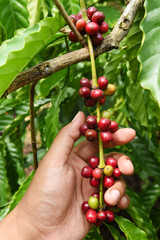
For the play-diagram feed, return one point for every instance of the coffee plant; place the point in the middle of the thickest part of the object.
(49, 52)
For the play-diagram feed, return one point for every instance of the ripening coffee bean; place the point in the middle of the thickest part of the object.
(93, 202)
(91, 11)
(108, 181)
(111, 161)
(102, 101)
(108, 170)
(117, 173)
(84, 92)
(102, 82)
(72, 37)
(103, 28)
(80, 24)
(91, 135)
(113, 126)
(104, 124)
(106, 137)
(91, 216)
(85, 206)
(84, 82)
(94, 182)
(86, 172)
(110, 216)
(98, 17)
(106, 114)
(97, 173)
(92, 28)
(89, 102)
(97, 94)
(93, 162)
(83, 129)
(101, 215)
(91, 121)
(97, 39)
(110, 90)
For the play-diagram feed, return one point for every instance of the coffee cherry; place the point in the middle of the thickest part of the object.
(94, 162)
(84, 82)
(97, 39)
(104, 124)
(110, 216)
(106, 114)
(97, 94)
(111, 161)
(93, 202)
(89, 102)
(110, 90)
(91, 121)
(91, 216)
(84, 92)
(74, 18)
(116, 173)
(102, 101)
(98, 223)
(98, 17)
(83, 129)
(101, 215)
(86, 172)
(91, 135)
(92, 28)
(80, 24)
(108, 181)
(95, 194)
(97, 173)
(79, 15)
(108, 170)
(94, 182)
(113, 127)
(102, 82)
(91, 11)
(85, 206)
(106, 137)
(103, 28)
(72, 37)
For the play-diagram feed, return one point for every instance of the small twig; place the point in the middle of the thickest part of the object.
(33, 135)
(69, 22)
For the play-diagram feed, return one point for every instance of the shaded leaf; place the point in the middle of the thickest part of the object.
(2, 34)
(94, 234)
(71, 6)
(115, 233)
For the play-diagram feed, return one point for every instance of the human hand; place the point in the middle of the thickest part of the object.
(51, 207)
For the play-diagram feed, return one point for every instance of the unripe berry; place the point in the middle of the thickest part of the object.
(92, 28)
(110, 216)
(108, 170)
(84, 82)
(111, 161)
(83, 129)
(106, 114)
(91, 121)
(72, 37)
(97, 173)
(110, 90)
(116, 173)
(86, 172)
(102, 82)
(113, 127)
(91, 11)
(102, 101)
(95, 194)
(94, 182)
(104, 124)
(98, 17)
(103, 28)
(94, 162)
(85, 206)
(101, 215)
(106, 137)
(97, 94)
(89, 102)
(91, 135)
(91, 216)
(93, 202)
(80, 24)
(108, 181)
(97, 39)
(84, 92)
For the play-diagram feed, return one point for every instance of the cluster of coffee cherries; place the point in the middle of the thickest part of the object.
(105, 126)
(94, 94)
(95, 214)
(95, 27)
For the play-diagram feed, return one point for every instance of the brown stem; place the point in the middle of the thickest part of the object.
(33, 136)
(69, 22)
(111, 41)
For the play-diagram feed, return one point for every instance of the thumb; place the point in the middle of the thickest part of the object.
(62, 146)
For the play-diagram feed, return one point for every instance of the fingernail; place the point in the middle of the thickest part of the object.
(124, 200)
(115, 196)
(76, 117)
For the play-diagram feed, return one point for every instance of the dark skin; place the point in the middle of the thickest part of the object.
(51, 207)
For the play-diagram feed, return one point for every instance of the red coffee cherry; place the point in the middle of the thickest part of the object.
(72, 37)
(101, 215)
(92, 28)
(91, 216)
(113, 127)
(104, 124)
(86, 172)
(97, 173)
(103, 28)
(84, 82)
(83, 129)
(84, 92)
(106, 137)
(116, 173)
(85, 206)
(97, 94)
(98, 223)
(91, 11)
(89, 102)
(108, 181)
(110, 216)
(94, 162)
(102, 101)
(91, 121)
(97, 39)
(94, 182)
(91, 135)
(98, 17)
(112, 162)
(80, 24)
(79, 15)
(102, 82)
(74, 18)
(95, 194)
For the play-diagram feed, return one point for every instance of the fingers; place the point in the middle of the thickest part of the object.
(123, 202)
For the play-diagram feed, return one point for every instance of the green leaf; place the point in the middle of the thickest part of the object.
(71, 6)
(139, 215)
(115, 233)
(22, 48)
(130, 230)
(94, 234)
(13, 15)
(155, 213)
(111, 14)
(36, 8)
(149, 54)
(2, 34)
